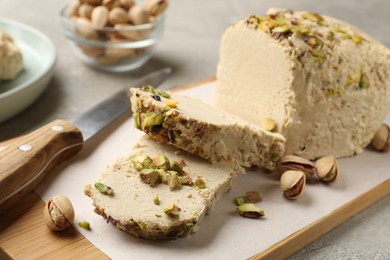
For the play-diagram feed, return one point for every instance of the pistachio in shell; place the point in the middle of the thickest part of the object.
(58, 213)
(381, 140)
(292, 183)
(296, 163)
(327, 168)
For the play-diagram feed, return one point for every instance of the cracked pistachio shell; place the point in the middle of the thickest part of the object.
(381, 139)
(296, 163)
(155, 7)
(137, 15)
(58, 213)
(327, 168)
(292, 183)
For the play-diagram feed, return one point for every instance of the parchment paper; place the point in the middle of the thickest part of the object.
(223, 234)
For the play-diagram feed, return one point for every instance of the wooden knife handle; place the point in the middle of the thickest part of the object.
(27, 160)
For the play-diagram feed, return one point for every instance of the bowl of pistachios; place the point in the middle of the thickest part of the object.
(114, 35)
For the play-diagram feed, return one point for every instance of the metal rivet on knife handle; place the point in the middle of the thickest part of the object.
(25, 147)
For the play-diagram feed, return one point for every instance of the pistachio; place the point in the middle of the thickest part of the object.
(93, 2)
(292, 183)
(85, 10)
(150, 176)
(357, 39)
(137, 15)
(291, 162)
(141, 162)
(58, 213)
(177, 166)
(200, 184)
(240, 201)
(149, 89)
(171, 103)
(73, 8)
(173, 182)
(117, 15)
(314, 17)
(327, 168)
(127, 4)
(104, 188)
(84, 27)
(161, 162)
(253, 196)
(172, 210)
(128, 32)
(92, 51)
(99, 16)
(155, 7)
(118, 53)
(158, 215)
(156, 200)
(249, 210)
(381, 140)
(163, 94)
(110, 4)
(85, 225)
(269, 124)
(151, 119)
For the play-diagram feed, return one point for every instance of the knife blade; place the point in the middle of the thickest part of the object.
(25, 162)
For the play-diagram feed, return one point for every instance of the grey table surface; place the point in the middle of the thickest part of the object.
(190, 46)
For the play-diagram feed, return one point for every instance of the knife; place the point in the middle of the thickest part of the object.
(25, 162)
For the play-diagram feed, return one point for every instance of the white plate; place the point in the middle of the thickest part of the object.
(39, 56)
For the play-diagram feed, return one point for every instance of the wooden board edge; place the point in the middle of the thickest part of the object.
(303, 237)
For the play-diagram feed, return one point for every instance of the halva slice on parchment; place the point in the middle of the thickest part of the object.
(160, 192)
(11, 60)
(203, 130)
(325, 83)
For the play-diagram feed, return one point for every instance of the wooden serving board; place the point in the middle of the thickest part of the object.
(23, 234)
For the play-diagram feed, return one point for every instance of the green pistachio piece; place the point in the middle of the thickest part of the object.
(249, 210)
(346, 36)
(150, 119)
(141, 162)
(149, 89)
(150, 176)
(253, 196)
(240, 201)
(173, 182)
(269, 124)
(314, 17)
(161, 162)
(281, 29)
(200, 183)
(104, 188)
(186, 228)
(164, 175)
(319, 56)
(163, 94)
(158, 215)
(177, 166)
(357, 39)
(172, 210)
(362, 84)
(156, 200)
(185, 180)
(85, 225)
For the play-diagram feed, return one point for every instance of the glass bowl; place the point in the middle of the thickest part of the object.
(115, 49)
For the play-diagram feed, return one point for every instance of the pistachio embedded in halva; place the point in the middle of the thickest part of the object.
(292, 183)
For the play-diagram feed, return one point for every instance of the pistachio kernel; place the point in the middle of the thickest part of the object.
(381, 140)
(269, 124)
(158, 215)
(327, 169)
(161, 161)
(357, 39)
(85, 225)
(149, 89)
(240, 200)
(150, 119)
(177, 166)
(156, 200)
(314, 17)
(173, 182)
(171, 103)
(164, 94)
(141, 162)
(150, 176)
(104, 188)
(250, 210)
(253, 196)
(185, 180)
(200, 184)
(172, 210)
(292, 183)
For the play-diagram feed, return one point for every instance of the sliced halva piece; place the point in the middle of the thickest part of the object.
(207, 131)
(138, 208)
(325, 83)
